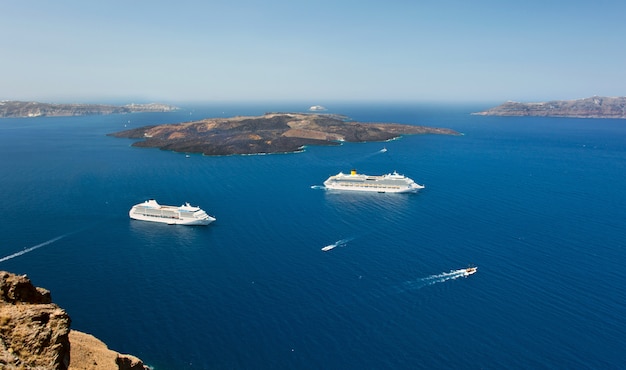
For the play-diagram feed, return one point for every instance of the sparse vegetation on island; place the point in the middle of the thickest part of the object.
(270, 133)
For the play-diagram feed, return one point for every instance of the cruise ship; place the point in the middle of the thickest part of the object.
(186, 214)
(389, 183)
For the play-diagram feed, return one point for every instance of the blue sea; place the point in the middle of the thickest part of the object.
(537, 204)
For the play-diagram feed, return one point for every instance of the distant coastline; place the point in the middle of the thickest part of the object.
(594, 107)
(21, 109)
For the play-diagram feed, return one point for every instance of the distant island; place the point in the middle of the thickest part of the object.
(18, 109)
(594, 107)
(270, 133)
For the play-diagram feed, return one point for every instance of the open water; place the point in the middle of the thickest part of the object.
(538, 204)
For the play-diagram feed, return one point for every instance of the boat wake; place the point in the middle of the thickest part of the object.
(30, 249)
(338, 243)
(434, 279)
(368, 156)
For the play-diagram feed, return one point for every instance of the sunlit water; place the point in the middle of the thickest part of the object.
(536, 203)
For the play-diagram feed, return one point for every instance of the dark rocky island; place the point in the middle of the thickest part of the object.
(10, 109)
(270, 133)
(594, 107)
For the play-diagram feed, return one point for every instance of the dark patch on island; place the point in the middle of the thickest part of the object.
(19, 109)
(594, 107)
(270, 133)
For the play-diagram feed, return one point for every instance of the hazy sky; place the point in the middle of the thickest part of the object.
(314, 51)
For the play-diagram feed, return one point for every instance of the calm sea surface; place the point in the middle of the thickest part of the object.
(538, 204)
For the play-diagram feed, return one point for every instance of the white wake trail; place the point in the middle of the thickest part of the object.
(30, 249)
(368, 156)
(432, 279)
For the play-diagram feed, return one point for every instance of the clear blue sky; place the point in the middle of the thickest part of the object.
(314, 51)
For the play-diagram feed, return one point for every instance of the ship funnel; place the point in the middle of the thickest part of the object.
(353, 172)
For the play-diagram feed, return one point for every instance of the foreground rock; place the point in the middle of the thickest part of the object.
(90, 353)
(35, 109)
(35, 333)
(270, 133)
(595, 107)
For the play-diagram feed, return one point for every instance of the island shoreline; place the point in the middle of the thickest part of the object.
(271, 133)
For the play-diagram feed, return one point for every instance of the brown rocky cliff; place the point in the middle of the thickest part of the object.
(90, 353)
(35, 333)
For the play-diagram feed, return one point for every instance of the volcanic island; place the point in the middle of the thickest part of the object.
(269, 133)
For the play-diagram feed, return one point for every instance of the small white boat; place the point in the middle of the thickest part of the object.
(186, 214)
(470, 270)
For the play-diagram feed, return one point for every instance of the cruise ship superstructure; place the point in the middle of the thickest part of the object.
(186, 214)
(389, 183)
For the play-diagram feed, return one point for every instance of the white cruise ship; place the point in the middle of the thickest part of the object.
(389, 183)
(186, 214)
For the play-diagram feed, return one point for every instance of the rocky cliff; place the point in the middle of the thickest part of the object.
(35, 334)
(594, 107)
(270, 133)
(35, 109)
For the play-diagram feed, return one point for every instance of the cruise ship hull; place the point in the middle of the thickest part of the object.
(389, 183)
(184, 215)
